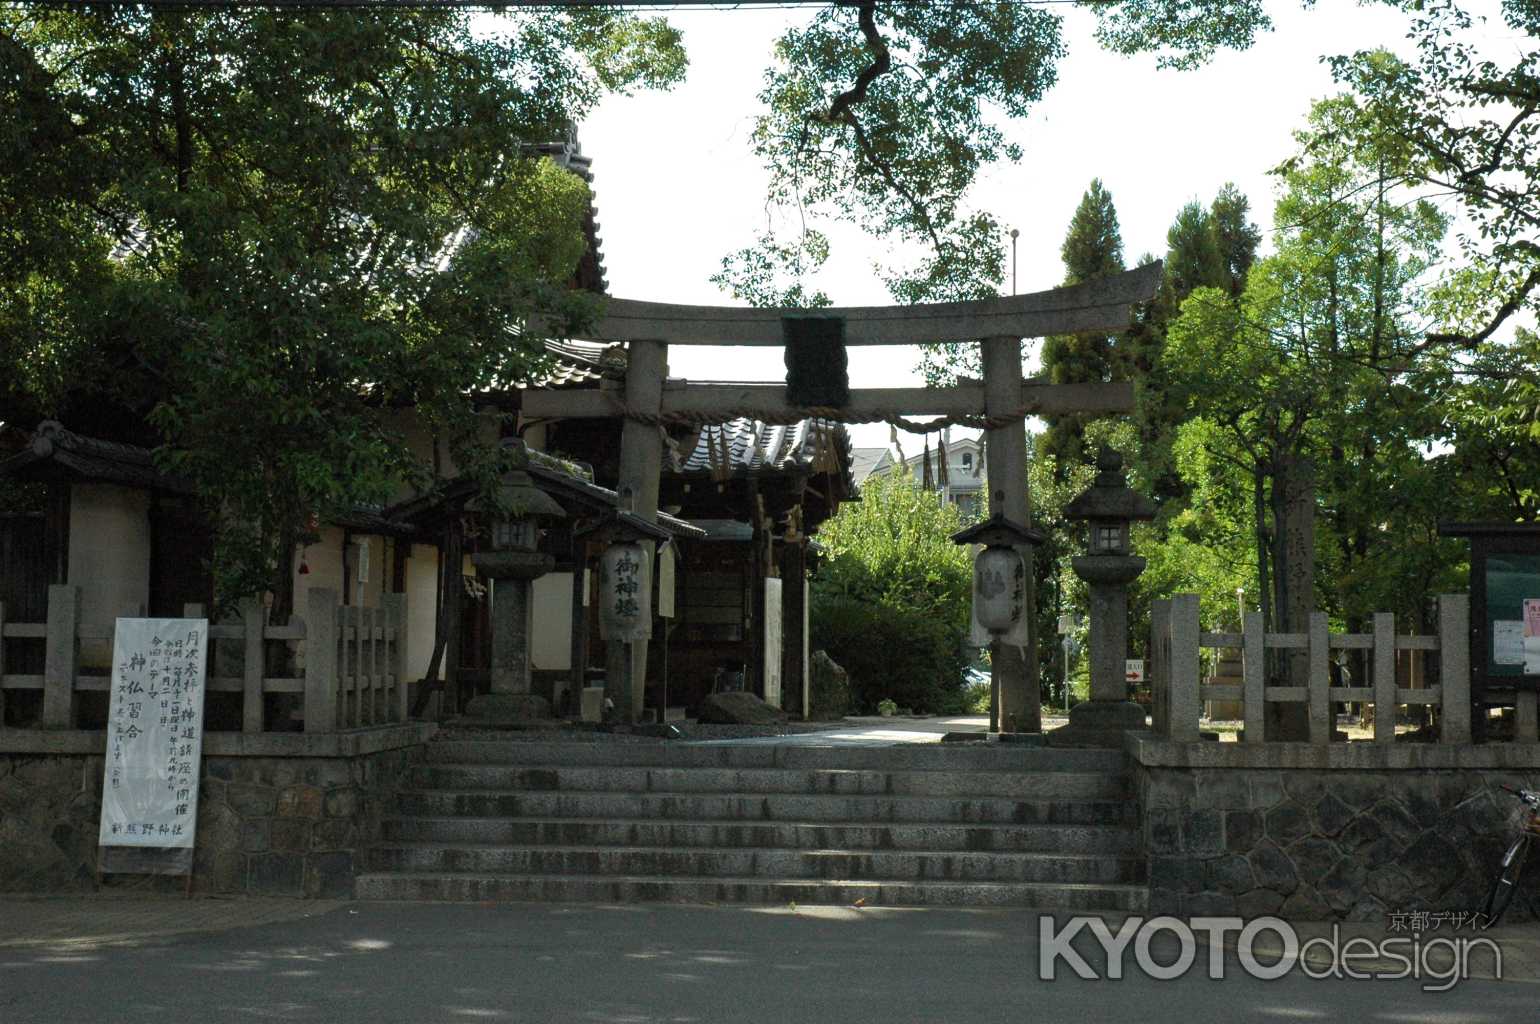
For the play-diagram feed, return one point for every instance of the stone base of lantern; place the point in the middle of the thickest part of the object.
(1098, 723)
(494, 709)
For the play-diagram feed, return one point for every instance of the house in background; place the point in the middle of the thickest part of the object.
(963, 483)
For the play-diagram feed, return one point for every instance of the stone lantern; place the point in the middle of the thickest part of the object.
(999, 572)
(625, 600)
(1108, 507)
(513, 562)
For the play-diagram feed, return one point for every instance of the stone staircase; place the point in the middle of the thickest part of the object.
(909, 824)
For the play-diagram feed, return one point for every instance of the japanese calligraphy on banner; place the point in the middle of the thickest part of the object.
(154, 733)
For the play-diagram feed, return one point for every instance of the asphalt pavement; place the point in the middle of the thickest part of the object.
(169, 960)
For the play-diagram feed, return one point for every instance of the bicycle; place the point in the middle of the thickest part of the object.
(1501, 893)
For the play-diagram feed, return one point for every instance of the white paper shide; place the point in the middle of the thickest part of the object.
(154, 733)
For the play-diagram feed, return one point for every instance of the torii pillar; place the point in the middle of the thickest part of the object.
(641, 463)
(1013, 670)
(648, 328)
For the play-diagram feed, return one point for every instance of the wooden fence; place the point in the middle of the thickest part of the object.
(354, 661)
(1176, 639)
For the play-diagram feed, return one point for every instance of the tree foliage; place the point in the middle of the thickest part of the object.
(1093, 248)
(266, 230)
(890, 567)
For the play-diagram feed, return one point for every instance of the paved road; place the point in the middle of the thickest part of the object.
(365, 962)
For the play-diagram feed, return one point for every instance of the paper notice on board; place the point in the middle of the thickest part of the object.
(154, 733)
(1532, 636)
(1508, 642)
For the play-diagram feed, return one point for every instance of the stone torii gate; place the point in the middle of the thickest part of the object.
(999, 405)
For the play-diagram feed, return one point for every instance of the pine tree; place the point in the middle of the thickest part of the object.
(1093, 247)
(1236, 236)
(1212, 247)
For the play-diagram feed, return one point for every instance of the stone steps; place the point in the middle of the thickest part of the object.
(744, 862)
(483, 803)
(762, 891)
(907, 824)
(801, 835)
(1011, 757)
(1062, 785)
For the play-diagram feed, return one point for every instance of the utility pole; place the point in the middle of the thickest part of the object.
(1015, 234)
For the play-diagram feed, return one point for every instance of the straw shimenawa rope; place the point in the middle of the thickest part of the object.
(787, 417)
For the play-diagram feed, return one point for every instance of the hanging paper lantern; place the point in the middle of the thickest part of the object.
(999, 588)
(625, 593)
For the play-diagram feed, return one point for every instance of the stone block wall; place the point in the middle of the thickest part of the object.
(296, 824)
(1344, 842)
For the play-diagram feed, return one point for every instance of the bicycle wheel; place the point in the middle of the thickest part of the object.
(1501, 893)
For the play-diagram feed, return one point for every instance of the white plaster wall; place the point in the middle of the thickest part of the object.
(421, 590)
(552, 647)
(324, 559)
(109, 558)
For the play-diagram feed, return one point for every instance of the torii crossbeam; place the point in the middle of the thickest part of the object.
(1000, 404)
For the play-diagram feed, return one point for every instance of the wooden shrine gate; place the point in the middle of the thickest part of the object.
(999, 405)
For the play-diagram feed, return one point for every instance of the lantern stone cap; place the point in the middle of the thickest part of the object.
(998, 532)
(517, 491)
(618, 526)
(1110, 497)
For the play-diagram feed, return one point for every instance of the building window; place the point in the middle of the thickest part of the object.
(967, 460)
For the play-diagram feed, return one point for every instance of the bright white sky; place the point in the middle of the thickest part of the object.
(677, 187)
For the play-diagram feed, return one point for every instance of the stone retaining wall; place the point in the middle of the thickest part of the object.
(278, 814)
(1335, 835)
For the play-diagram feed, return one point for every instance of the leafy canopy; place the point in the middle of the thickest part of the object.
(267, 230)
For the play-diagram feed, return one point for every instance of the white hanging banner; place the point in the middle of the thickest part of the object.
(154, 733)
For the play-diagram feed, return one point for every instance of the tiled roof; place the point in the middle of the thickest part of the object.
(579, 362)
(753, 446)
(568, 154)
(56, 451)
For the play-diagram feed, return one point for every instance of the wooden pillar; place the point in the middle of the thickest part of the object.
(794, 676)
(578, 668)
(641, 462)
(454, 597)
(1013, 669)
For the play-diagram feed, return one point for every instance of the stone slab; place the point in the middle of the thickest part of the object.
(1153, 751)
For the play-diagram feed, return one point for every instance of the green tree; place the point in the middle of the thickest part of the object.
(883, 113)
(1093, 248)
(1305, 365)
(262, 232)
(1213, 247)
(892, 601)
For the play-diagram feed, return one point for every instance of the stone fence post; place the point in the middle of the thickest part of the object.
(1182, 682)
(60, 662)
(1454, 667)
(395, 633)
(321, 660)
(1160, 669)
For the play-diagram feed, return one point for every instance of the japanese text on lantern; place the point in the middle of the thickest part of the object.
(154, 733)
